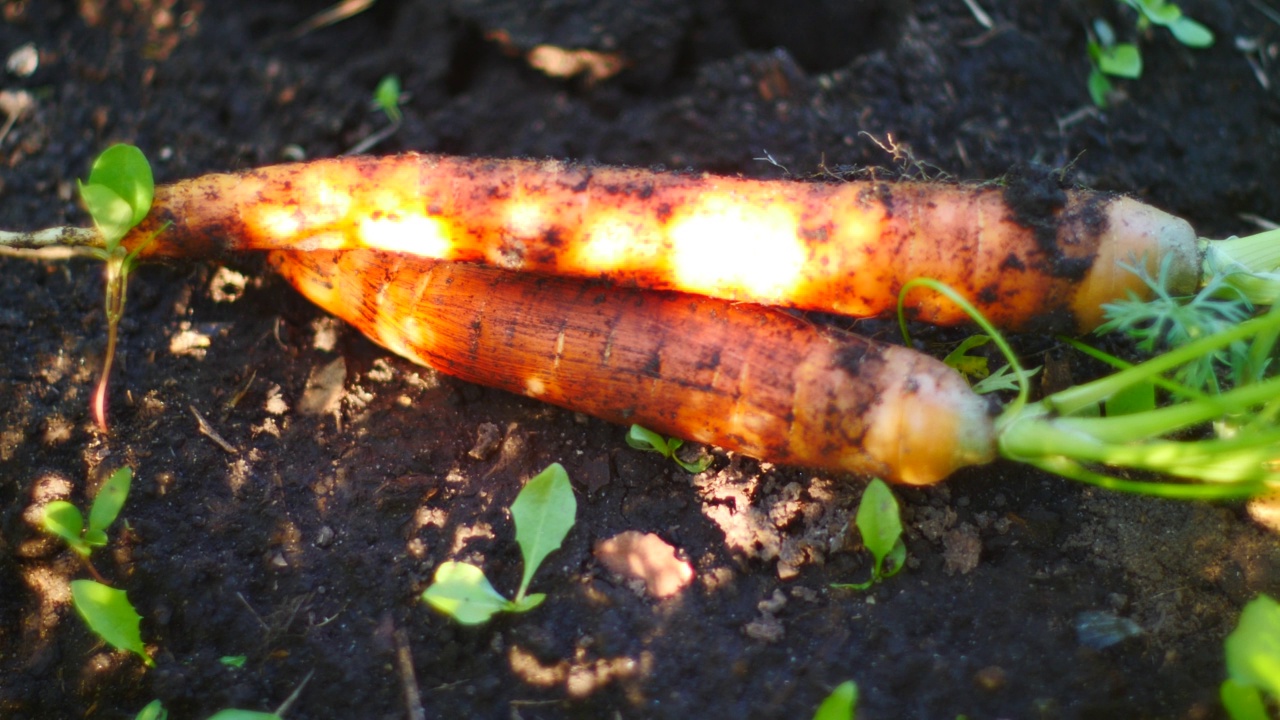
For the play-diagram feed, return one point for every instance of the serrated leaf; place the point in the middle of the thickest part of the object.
(109, 613)
(63, 519)
(1191, 33)
(111, 213)
(1121, 60)
(462, 592)
(111, 497)
(153, 711)
(124, 170)
(878, 519)
(543, 512)
(1253, 648)
(233, 714)
(840, 704)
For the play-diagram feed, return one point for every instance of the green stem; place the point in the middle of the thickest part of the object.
(1250, 264)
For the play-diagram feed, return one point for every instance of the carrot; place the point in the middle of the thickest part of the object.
(1045, 262)
(744, 377)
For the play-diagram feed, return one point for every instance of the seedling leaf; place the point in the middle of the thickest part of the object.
(1121, 60)
(462, 592)
(527, 603)
(878, 521)
(543, 513)
(1242, 702)
(840, 704)
(233, 661)
(153, 711)
(1253, 648)
(1191, 33)
(124, 170)
(109, 613)
(111, 213)
(1099, 87)
(387, 97)
(642, 438)
(233, 714)
(63, 519)
(106, 506)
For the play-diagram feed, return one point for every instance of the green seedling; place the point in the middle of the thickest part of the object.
(880, 525)
(117, 196)
(233, 661)
(1108, 58)
(1253, 661)
(840, 704)
(644, 439)
(543, 512)
(106, 610)
(110, 615)
(387, 98)
(153, 711)
(63, 519)
(1167, 15)
(1115, 59)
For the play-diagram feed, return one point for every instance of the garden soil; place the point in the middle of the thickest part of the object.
(287, 555)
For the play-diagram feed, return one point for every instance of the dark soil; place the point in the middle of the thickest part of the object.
(306, 548)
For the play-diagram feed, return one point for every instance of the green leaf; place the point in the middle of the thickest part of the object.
(840, 704)
(63, 519)
(387, 97)
(233, 661)
(124, 170)
(110, 212)
(527, 603)
(642, 438)
(109, 614)
(1191, 33)
(896, 559)
(1160, 12)
(878, 521)
(1135, 398)
(1121, 60)
(111, 497)
(1242, 702)
(969, 365)
(233, 714)
(543, 513)
(1253, 648)
(153, 711)
(1099, 87)
(462, 592)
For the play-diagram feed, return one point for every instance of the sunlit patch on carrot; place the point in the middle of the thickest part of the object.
(534, 387)
(722, 244)
(614, 240)
(416, 234)
(525, 219)
(279, 222)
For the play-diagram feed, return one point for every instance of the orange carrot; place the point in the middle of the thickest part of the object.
(1028, 262)
(744, 377)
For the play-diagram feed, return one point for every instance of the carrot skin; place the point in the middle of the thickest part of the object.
(744, 377)
(845, 248)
